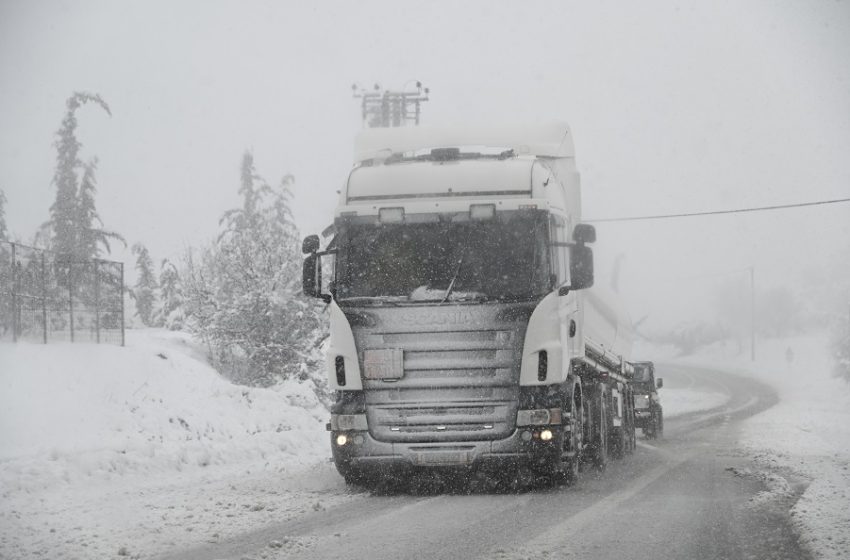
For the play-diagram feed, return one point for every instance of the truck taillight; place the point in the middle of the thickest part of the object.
(339, 364)
(542, 365)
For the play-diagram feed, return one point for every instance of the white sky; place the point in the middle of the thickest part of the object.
(675, 107)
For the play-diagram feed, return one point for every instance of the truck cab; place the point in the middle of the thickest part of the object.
(463, 332)
(648, 412)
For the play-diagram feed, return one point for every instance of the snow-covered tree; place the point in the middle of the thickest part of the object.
(92, 236)
(73, 218)
(144, 292)
(5, 271)
(170, 311)
(243, 292)
(4, 234)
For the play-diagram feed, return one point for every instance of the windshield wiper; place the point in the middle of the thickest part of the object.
(516, 298)
(454, 278)
(373, 300)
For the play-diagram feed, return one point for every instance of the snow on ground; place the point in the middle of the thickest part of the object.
(103, 447)
(806, 435)
(676, 401)
(110, 452)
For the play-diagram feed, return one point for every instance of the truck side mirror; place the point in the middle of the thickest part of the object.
(584, 233)
(311, 275)
(581, 267)
(310, 244)
(659, 383)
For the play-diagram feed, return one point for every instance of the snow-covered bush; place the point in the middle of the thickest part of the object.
(144, 293)
(170, 312)
(243, 292)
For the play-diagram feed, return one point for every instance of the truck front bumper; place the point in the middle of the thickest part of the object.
(643, 417)
(524, 446)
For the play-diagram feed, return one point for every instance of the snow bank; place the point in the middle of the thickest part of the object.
(807, 434)
(103, 448)
(71, 412)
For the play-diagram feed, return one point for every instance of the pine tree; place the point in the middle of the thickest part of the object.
(5, 271)
(170, 312)
(91, 238)
(67, 229)
(253, 188)
(3, 232)
(144, 291)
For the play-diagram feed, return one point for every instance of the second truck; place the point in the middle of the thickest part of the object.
(649, 415)
(465, 327)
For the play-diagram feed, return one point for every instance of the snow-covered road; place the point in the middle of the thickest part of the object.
(687, 496)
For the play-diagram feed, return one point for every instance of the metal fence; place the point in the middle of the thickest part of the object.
(45, 297)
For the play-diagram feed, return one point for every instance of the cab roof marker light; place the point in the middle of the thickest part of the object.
(391, 215)
(528, 207)
(482, 211)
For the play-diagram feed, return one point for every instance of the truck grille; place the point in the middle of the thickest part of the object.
(457, 384)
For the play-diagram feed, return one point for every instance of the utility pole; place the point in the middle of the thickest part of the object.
(385, 108)
(753, 313)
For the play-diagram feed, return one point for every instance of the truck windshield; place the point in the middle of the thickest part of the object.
(641, 374)
(504, 258)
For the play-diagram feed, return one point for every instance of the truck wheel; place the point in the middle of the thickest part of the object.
(631, 442)
(651, 430)
(600, 442)
(618, 443)
(572, 466)
(660, 418)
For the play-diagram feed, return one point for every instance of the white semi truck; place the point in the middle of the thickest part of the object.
(464, 328)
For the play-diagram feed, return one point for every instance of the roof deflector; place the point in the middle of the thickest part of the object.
(553, 139)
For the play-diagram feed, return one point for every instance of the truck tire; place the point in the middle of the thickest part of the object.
(618, 442)
(660, 423)
(632, 426)
(599, 454)
(651, 430)
(572, 465)
(627, 424)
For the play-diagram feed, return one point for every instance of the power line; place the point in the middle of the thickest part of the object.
(710, 213)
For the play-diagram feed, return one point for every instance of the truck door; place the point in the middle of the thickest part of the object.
(568, 306)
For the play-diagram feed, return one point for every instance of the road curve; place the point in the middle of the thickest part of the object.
(678, 497)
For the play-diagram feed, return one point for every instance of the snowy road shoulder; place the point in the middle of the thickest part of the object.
(146, 519)
(805, 436)
(102, 447)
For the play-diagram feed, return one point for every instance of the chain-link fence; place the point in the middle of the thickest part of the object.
(46, 297)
